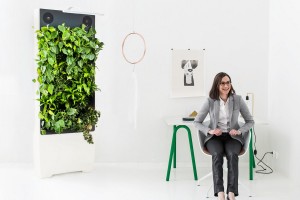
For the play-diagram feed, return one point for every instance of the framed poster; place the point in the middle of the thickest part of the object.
(187, 73)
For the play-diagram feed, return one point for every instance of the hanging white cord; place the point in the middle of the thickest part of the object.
(135, 95)
(135, 100)
(133, 62)
(133, 14)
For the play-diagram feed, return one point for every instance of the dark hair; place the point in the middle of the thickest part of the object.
(214, 91)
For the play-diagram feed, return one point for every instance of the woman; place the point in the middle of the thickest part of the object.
(224, 136)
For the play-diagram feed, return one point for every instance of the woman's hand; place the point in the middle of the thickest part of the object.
(234, 132)
(216, 132)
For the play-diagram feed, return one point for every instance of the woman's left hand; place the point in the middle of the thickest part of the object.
(234, 132)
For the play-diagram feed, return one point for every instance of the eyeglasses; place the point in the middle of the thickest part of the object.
(225, 83)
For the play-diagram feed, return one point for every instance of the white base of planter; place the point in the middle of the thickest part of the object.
(63, 153)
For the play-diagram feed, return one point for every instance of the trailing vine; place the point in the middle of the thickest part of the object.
(66, 77)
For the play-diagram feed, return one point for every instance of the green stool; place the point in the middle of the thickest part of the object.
(251, 156)
(173, 150)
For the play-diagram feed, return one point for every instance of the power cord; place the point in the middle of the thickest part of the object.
(263, 170)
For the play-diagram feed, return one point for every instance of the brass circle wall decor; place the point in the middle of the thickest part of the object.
(123, 51)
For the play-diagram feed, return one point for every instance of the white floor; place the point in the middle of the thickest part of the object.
(129, 182)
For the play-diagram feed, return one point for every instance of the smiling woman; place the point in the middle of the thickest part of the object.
(223, 137)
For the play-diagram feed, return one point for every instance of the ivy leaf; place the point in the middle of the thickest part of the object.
(44, 53)
(69, 60)
(49, 75)
(65, 51)
(50, 88)
(44, 92)
(70, 52)
(69, 123)
(71, 111)
(86, 88)
(43, 132)
(77, 43)
(69, 70)
(44, 29)
(79, 88)
(47, 125)
(65, 35)
(87, 50)
(85, 38)
(92, 44)
(43, 68)
(61, 28)
(80, 63)
(60, 45)
(59, 125)
(72, 38)
(40, 79)
(51, 61)
(41, 116)
(51, 44)
(48, 35)
(54, 49)
(54, 34)
(91, 56)
(51, 29)
(50, 112)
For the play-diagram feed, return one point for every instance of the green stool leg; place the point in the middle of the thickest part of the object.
(174, 145)
(192, 153)
(253, 163)
(171, 155)
(191, 149)
(251, 157)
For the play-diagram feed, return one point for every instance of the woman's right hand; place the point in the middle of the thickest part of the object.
(216, 132)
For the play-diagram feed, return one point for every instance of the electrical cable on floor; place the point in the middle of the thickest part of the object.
(263, 170)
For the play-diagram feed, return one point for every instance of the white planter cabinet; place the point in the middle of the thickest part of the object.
(58, 153)
(62, 153)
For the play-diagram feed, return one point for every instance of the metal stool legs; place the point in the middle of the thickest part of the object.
(173, 151)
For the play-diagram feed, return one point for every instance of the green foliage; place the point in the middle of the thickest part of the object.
(66, 77)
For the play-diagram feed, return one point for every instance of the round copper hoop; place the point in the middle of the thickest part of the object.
(123, 44)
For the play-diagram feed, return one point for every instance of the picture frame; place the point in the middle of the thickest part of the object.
(187, 73)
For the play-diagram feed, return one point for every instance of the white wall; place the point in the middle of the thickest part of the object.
(233, 32)
(16, 91)
(284, 84)
(236, 41)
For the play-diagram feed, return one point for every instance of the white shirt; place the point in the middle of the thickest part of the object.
(223, 123)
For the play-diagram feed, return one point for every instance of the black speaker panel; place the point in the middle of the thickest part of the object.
(57, 17)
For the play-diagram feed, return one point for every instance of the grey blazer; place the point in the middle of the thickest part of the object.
(236, 106)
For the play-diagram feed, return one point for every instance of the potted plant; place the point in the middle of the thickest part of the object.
(66, 89)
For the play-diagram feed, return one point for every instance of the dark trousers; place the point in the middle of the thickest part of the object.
(220, 146)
